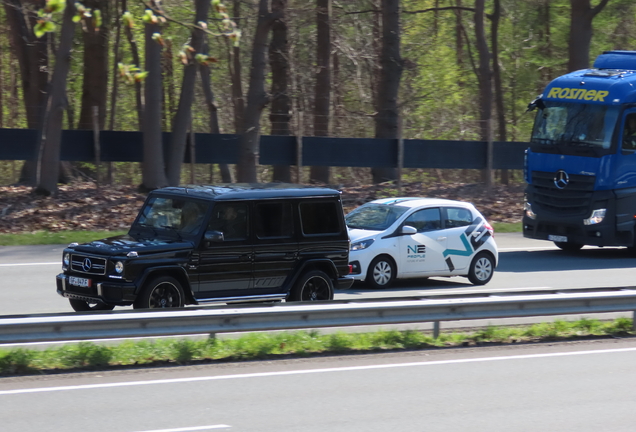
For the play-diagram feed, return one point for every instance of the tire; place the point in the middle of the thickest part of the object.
(159, 293)
(381, 272)
(84, 306)
(481, 269)
(569, 247)
(314, 285)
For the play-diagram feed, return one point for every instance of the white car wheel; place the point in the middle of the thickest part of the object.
(381, 272)
(481, 269)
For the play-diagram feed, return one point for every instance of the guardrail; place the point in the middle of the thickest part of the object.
(289, 316)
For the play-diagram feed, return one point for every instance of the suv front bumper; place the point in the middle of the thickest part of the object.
(114, 293)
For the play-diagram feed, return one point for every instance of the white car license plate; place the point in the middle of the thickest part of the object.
(80, 282)
(557, 238)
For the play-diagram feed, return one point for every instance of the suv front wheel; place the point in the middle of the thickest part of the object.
(161, 292)
(312, 286)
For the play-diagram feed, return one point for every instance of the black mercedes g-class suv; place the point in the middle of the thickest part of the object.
(223, 243)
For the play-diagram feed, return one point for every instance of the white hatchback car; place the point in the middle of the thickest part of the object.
(417, 238)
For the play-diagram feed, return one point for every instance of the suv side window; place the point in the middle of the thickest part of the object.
(458, 217)
(230, 219)
(274, 220)
(319, 218)
(425, 220)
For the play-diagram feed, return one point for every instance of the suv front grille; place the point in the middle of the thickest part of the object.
(88, 264)
(573, 199)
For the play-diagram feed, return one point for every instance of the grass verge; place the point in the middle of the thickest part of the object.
(506, 227)
(66, 237)
(59, 237)
(259, 346)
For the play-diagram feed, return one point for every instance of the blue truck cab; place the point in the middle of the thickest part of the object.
(580, 167)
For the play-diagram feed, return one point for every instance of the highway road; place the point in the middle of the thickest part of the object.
(578, 387)
(28, 274)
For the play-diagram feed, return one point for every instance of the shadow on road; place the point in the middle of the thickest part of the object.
(558, 260)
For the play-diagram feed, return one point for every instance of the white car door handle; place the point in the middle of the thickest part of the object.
(441, 238)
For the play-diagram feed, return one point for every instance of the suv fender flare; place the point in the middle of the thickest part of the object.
(314, 264)
(172, 270)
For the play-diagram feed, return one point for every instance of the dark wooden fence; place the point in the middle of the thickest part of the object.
(118, 146)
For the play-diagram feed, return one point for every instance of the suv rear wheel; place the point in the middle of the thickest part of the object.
(161, 292)
(314, 285)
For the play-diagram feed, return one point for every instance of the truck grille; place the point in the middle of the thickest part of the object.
(88, 264)
(574, 199)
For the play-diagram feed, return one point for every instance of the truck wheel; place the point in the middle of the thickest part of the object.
(381, 273)
(314, 285)
(481, 269)
(84, 306)
(567, 246)
(161, 292)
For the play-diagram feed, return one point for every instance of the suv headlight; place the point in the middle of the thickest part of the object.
(597, 217)
(66, 261)
(361, 244)
(119, 267)
(527, 207)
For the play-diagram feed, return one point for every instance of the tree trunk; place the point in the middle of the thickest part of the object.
(153, 169)
(323, 81)
(206, 83)
(50, 133)
(485, 88)
(32, 55)
(279, 64)
(184, 110)
(134, 50)
(496, 70)
(581, 16)
(386, 119)
(236, 77)
(95, 81)
(256, 98)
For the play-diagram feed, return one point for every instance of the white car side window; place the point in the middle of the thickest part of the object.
(458, 217)
(425, 220)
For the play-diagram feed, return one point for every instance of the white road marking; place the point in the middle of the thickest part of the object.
(31, 264)
(484, 291)
(308, 371)
(188, 429)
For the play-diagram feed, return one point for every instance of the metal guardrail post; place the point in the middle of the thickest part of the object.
(436, 330)
(634, 320)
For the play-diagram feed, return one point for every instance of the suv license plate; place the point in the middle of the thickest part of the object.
(557, 238)
(80, 282)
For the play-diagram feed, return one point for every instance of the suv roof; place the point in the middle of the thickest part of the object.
(234, 191)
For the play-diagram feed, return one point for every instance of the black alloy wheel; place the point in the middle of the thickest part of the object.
(161, 293)
(313, 286)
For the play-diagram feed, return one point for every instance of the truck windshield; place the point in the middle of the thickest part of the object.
(575, 124)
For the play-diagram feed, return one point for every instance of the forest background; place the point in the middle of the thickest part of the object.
(450, 69)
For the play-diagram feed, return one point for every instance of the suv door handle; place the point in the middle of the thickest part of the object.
(441, 238)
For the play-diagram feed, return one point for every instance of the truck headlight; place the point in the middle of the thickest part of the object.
(66, 260)
(119, 267)
(527, 207)
(597, 217)
(361, 244)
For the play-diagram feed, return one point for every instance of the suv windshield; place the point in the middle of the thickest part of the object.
(172, 214)
(575, 124)
(377, 217)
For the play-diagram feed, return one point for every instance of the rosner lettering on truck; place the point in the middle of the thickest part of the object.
(580, 167)
(577, 93)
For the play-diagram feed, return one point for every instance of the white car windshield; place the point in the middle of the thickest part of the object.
(377, 217)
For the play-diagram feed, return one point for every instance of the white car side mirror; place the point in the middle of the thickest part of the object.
(408, 230)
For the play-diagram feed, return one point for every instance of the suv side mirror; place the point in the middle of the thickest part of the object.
(213, 237)
(408, 230)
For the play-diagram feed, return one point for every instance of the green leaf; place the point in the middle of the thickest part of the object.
(77, 18)
(43, 27)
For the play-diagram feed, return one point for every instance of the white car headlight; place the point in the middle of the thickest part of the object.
(361, 244)
(119, 267)
(597, 217)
